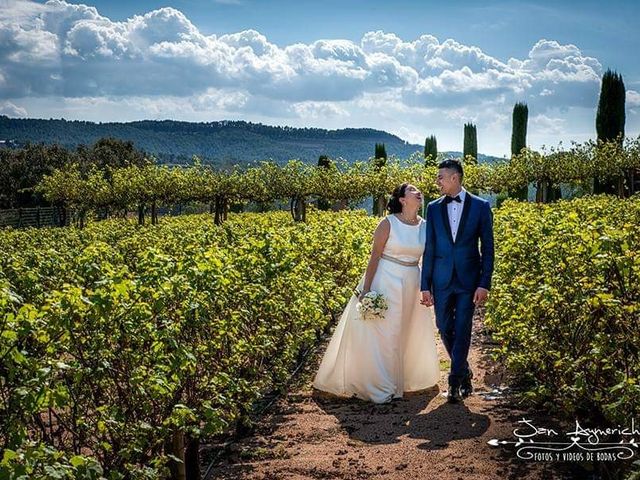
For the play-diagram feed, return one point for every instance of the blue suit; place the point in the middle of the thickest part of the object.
(452, 271)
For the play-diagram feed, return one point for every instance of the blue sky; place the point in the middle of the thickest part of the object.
(411, 68)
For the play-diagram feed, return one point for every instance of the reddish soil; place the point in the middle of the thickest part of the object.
(310, 435)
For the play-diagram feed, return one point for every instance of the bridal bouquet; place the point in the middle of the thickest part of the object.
(372, 306)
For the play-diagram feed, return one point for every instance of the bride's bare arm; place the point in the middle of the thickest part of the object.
(380, 237)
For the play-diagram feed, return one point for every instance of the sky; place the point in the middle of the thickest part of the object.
(412, 68)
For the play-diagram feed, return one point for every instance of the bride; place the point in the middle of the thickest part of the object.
(378, 360)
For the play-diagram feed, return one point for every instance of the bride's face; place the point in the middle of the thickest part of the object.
(412, 198)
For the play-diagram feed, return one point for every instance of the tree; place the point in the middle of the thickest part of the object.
(470, 147)
(380, 157)
(114, 153)
(430, 151)
(519, 141)
(379, 161)
(519, 127)
(610, 120)
(22, 169)
(109, 154)
(323, 162)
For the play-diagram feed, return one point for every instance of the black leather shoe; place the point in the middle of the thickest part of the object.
(466, 388)
(454, 395)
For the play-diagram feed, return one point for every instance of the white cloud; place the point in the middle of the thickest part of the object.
(413, 54)
(163, 53)
(633, 98)
(315, 110)
(160, 63)
(97, 39)
(19, 10)
(12, 110)
(544, 125)
(257, 42)
(217, 100)
(27, 47)
(456, 56)
(164, 25)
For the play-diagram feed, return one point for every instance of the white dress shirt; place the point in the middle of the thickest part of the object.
(454, 209)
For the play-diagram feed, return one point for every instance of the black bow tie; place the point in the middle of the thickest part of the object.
(449, 199)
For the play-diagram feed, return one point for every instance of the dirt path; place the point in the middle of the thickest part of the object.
(309, 435)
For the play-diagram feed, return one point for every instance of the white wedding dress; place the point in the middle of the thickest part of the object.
(378, 360)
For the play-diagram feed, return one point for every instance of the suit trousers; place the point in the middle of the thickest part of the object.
(454, 307)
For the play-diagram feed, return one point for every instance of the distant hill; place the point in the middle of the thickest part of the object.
(219, 143)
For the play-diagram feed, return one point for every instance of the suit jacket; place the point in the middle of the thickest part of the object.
(442, 255)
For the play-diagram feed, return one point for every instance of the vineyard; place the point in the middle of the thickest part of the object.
(126, 345)
(142, 188)
(123, 347)
(566, 305)
(119, 343)
(169, 287)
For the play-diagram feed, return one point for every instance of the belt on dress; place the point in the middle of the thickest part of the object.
(400, 262)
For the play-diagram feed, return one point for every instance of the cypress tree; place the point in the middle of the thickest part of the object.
(323, 162)
(430, 151)
(379, 161)
(519, 140)
(610, 120)
(380, 156)
(519, 128)
(470, 146)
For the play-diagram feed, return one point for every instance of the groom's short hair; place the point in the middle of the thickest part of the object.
(452, 164)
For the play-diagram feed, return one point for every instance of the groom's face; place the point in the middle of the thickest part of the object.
(448, 181)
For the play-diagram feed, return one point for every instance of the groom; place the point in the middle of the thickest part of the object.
(456, 275)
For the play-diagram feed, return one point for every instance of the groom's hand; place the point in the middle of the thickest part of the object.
(427, 299)
(480, 296)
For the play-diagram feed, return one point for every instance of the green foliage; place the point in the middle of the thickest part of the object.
(610, 120)
(379, 162)
(324, 162)
(519, 141)
(470, 148)
(519, 128)
(113, 153)
(610, 117)
(380, 155)
(221, 144)
(22, 169)
(120, 335)
(126, 334)
(430, 151)
(39, 461)
(339, 181)
(566, 304)
(576, 166)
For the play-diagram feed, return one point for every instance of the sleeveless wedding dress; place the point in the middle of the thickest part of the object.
(377, 360)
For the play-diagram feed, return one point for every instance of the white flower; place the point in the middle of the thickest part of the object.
(372, 306)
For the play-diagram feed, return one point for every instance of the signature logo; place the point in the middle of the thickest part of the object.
(546, 444)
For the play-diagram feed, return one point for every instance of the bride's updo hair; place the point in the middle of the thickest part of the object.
(394, 205)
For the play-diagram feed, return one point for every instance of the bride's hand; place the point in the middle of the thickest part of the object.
(427, 299)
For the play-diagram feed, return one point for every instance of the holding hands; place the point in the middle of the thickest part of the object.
(479, 297)
(427, 299)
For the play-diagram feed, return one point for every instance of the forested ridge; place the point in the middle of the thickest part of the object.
(220, 143)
